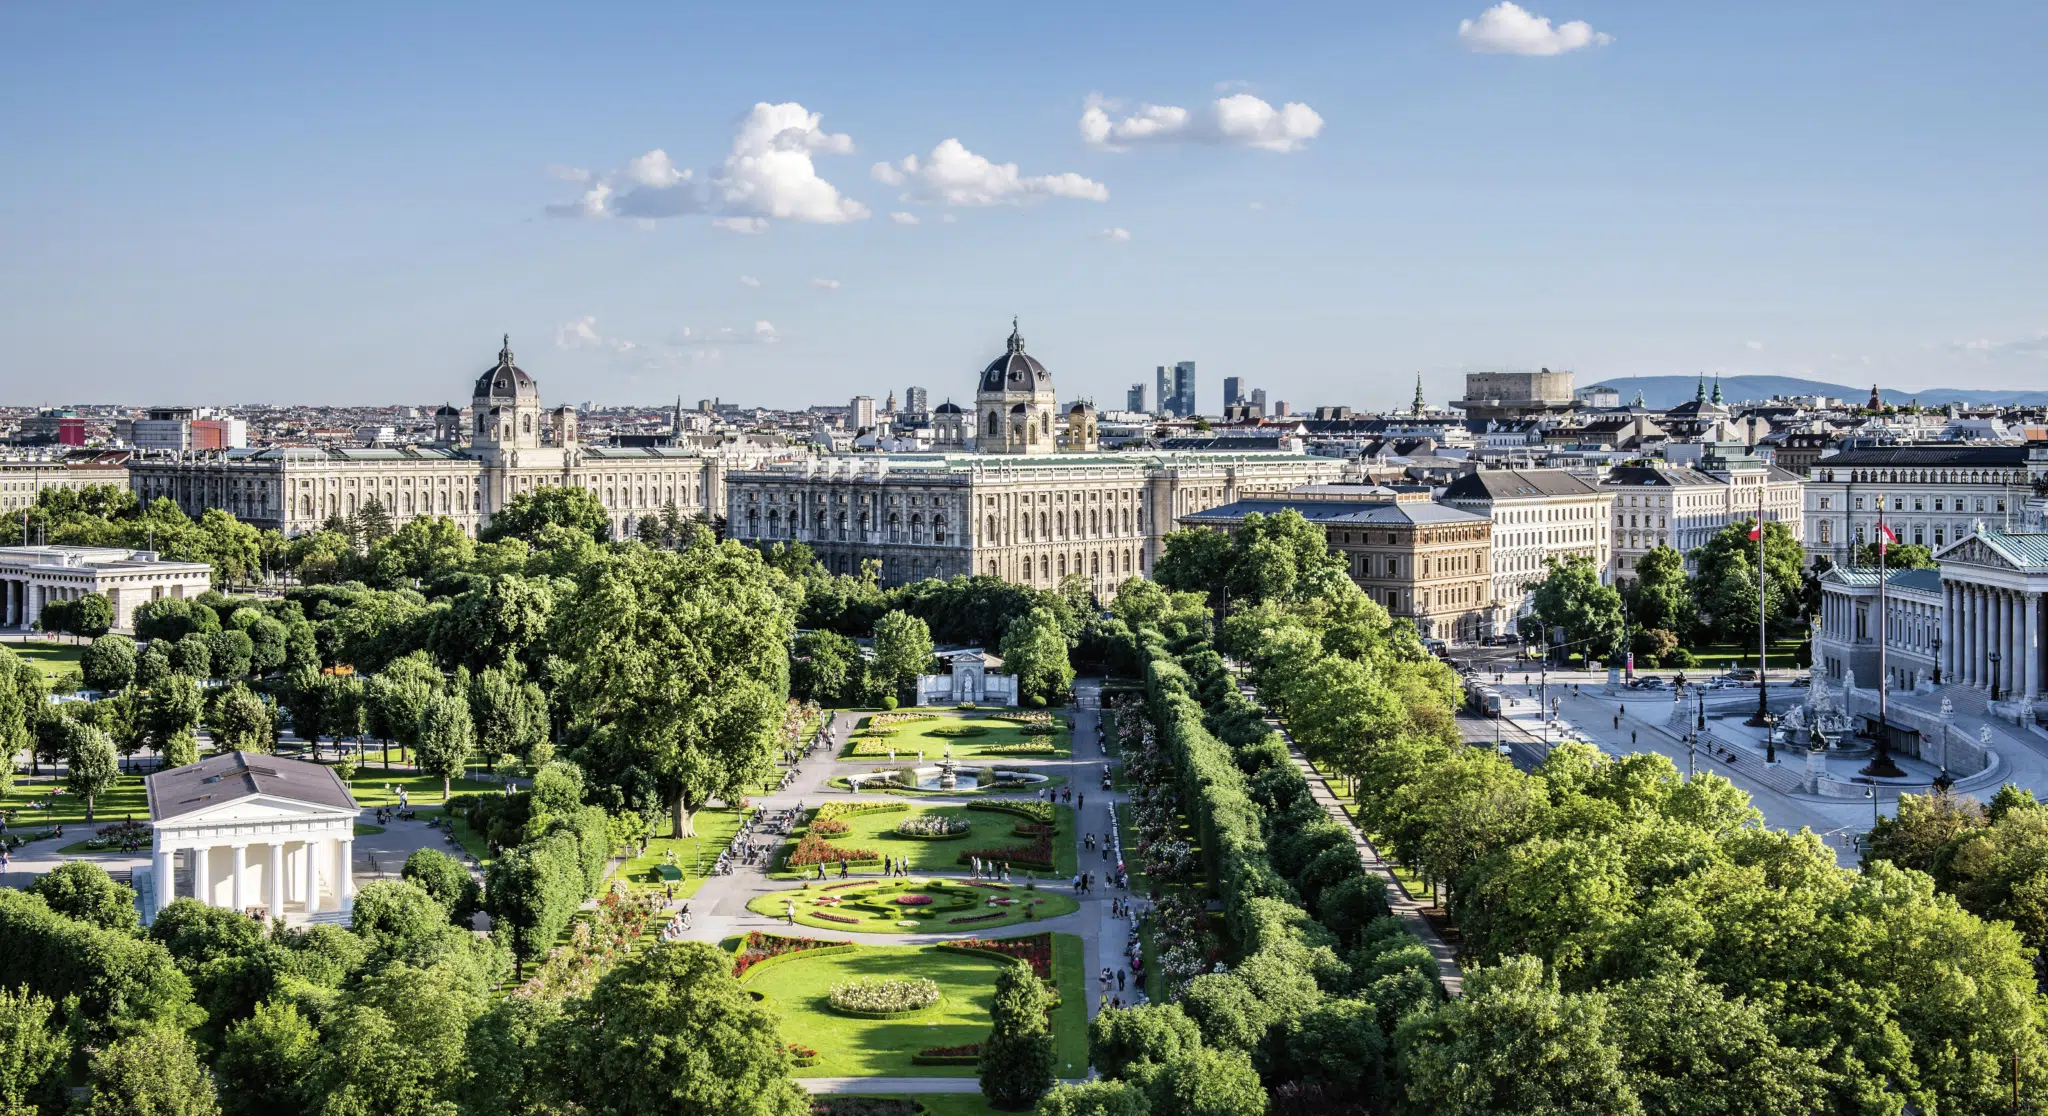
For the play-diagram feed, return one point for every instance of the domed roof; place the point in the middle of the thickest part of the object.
(1014, 371)
(948, 408)
(447, 410)
(505, 380)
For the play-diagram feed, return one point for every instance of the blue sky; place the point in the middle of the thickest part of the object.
(269, 203)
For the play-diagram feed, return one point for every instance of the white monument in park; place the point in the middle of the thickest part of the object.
(973, 676)
(253, 833)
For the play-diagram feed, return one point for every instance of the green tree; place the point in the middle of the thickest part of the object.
(91, 767)
(370, 525)
(23, 694)
(242, 722)
(825, 667)
(1571, 597)
(1197, 560)
(393, 914)
(1897, 556)
(192, 656)
(397, 696)
(1208, 1082)
(510, 715)
(1131, 1043)
(1726, 586)
(425, 548)
(1514, 1043)
(500, 621)
(397, 1042)
(903, 648)
(305, 701)
(82, 890)
(269, 639)
(33, 1051)
(265, 1059)
(1035, 651)
(528, 513)
(155, 1072)
(1094, 1098)
(675, 664)
(1018, 1057)
(670, 1031)
(109, 664)
(1689, 1050)
(231, 654)
(445, 879)
(1661, 595)
(445, 739)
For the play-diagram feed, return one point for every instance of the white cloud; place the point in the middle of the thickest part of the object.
(1231, 85)
(1509, 28)
(885, 174)
(825, 284)
(1754, 346)
(1238, 120)
(563, 173)
(762, 333)
(768, 174)
(749, 281)
(953, 175)
(903, 218)
(2036, 346)
(1258, 205)
(1119, 235)
(583, 334)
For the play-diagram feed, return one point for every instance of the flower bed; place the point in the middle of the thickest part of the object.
(1023, 748)
(866, 1106)
(880, 997)
(1027, 717)
(812, 849)
(833, 810)
(757, 947)
(932, 826)
(906, 717)
(828, 916)
(829, 827)
(1037, 854)
(914, 900)
(127, 835)
(990, 884)
(801, 1055)
(957, 732)
(966, 1054)
(1040, 812)
(989, 917)
(1040, 730)
(1034, 949)
(848, 883)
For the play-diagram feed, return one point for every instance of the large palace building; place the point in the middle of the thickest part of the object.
(1025, 498)
(510, 446)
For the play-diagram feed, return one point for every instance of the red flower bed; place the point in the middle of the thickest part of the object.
(827, 826)
(1035, 949)
(977, 918)
(914, 900)
(813, 849)
(968, 1050)
(849, 883)
(799, 1050)
(987, 884)
(1038, 853)
(759, 947)
(828, 916)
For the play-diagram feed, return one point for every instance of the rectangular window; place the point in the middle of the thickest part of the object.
(1859, 503)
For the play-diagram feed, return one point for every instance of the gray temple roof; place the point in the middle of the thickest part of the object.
(233, 776)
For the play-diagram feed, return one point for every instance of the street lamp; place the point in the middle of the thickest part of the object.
(1948, 710)
(1770, 738)
(1937, 661)
(1870, 792)
(1994, 675)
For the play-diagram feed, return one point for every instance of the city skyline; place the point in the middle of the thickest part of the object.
(1323, 205)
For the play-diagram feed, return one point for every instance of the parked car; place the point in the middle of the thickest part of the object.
(1803, 680)
(1506, 750)
(1740, 674)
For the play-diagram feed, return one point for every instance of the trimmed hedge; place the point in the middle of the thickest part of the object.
(1041, 812)
(814, 951)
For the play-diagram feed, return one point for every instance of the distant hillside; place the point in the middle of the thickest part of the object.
(1669, 391)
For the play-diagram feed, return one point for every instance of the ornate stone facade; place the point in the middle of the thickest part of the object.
(514, 448)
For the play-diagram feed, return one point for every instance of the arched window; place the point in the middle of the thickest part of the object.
(1095, 564)
(991, 535)
(774, 520)
(1045, 567)
(526, 424)
(1063, 565)
(992, 422)
(938, 528)
(1042, 525)
(895, 527)
(754, 521)
(1095, 523)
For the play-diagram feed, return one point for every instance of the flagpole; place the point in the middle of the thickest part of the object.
(1763, 705)
(1881, 763)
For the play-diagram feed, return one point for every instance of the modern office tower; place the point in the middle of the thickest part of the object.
(1258, 401)
(1184, 389)
(1280, 409)
(1232, 386)
(1134, 398)
(1164, 392)
(916, 400)
(861, 415)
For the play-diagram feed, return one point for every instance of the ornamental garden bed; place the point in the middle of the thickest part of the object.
(798, 992)
(871, 835)
(909, 906)
(966, 734)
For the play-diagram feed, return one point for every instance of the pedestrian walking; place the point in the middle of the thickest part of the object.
(1631, 738)
(1119, 980)
(1081, 801)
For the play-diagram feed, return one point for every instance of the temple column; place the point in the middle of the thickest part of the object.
(1977, 635)
(202, 875)
(240, 888)
(345, 888)
(166, 865)
(273, 883)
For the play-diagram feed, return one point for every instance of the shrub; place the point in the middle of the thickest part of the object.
(956, 732)
(1034, 950)
(932, 825)
(829, 827)
(879, 996)
(812, 849)
(757, 947)
(801, 1055)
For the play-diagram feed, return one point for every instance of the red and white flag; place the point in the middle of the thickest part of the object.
(1756, 530)
(1885, 537)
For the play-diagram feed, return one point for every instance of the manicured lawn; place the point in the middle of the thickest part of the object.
(989, 829)
(694, 855)
(992, 738)
(838, 783)
(125, 800)
(373, 786)
(1720, 655)
(872, 906)
(948, 1104)
(796, 991)
(55, 660)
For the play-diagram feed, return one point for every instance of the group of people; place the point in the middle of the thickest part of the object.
(1084, 884)
(983, 868)
(1053, 796)
(677, 925)
(891, 866)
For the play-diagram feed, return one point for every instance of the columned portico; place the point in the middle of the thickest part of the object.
(1999, 582)
(265, 836)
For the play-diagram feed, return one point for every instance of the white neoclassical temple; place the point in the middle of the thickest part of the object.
(269, 837)
(33, 576)
(1994, 584)
(973, 676)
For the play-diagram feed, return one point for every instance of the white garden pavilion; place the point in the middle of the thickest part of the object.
(253, 833)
